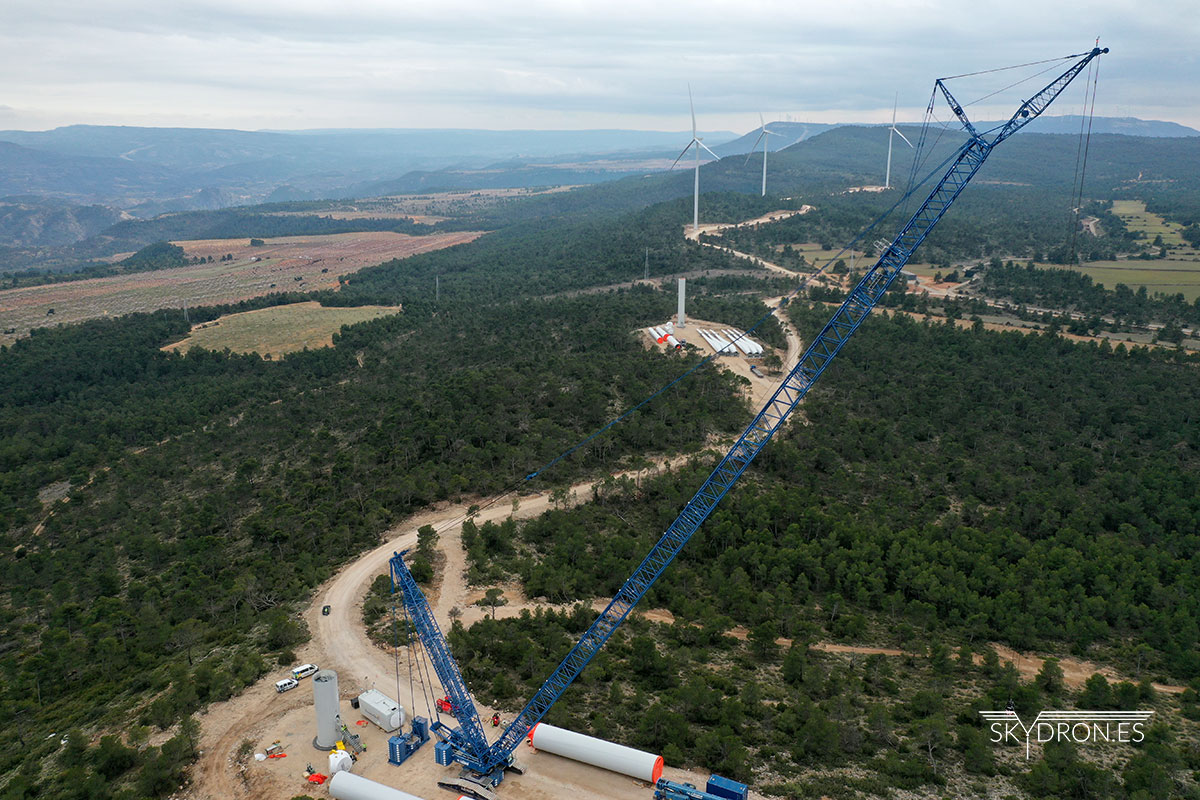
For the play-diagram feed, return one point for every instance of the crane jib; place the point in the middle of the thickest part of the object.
(468, 743)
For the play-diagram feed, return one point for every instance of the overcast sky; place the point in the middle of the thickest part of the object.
(567, 65)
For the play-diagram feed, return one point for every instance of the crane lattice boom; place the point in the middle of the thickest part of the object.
(468, 743)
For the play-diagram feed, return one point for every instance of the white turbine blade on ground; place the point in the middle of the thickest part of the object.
(702, 144)
(902, 136)
(684, 153)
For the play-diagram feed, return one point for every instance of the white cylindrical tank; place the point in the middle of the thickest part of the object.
(348, 786)
(682, 294)
(671, 340)
(659, 334)
(339, 761)
(325, 701)
(669, 327)
(597, 752)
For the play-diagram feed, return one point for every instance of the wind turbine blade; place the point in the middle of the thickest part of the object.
(895, 102)
(684, 153)
(702, 144)
(762, 124)
(753, 147)
(902, 136)
(692, 106)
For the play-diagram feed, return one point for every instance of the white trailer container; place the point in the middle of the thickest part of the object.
(381, 709)
(348, 786)
(597, 752)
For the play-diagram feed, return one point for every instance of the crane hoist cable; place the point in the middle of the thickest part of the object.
(1081, 169)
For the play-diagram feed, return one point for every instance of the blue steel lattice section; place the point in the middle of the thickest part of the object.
(470, 744)
(469, 741)
(824, 348)
(828, 343)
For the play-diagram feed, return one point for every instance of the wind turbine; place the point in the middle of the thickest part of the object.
(887, 181)
(762, 137)
(698, 143)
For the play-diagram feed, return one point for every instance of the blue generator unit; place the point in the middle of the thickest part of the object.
(727, 789)
(402, 746)
(718, 788)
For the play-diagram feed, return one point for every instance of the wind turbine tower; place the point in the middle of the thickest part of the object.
(697, 143)
(887, 180)
(763, 135)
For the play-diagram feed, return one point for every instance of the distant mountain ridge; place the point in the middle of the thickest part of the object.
(37, 222)
(789, 133)
(151, 171)
(177, 169)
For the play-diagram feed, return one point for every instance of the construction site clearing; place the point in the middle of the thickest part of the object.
(547, 777)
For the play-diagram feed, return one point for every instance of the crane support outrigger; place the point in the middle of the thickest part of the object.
(484, 765)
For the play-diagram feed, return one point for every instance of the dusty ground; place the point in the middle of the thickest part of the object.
(289, 263)
(277, 330)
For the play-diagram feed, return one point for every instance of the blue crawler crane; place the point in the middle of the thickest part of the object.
(483, 764)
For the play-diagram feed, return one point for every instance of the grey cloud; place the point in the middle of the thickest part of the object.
(458, 61)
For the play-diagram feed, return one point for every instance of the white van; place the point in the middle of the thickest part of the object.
(285, 684)
(304, 670)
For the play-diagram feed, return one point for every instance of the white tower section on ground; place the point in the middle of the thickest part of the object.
(597, 752)
(682, 292)
(325, 701)
(348, 786)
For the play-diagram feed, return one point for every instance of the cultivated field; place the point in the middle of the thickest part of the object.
(426, 208)
(288, 263)
(277, 330)
(1178, 274)
(1135, 216)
